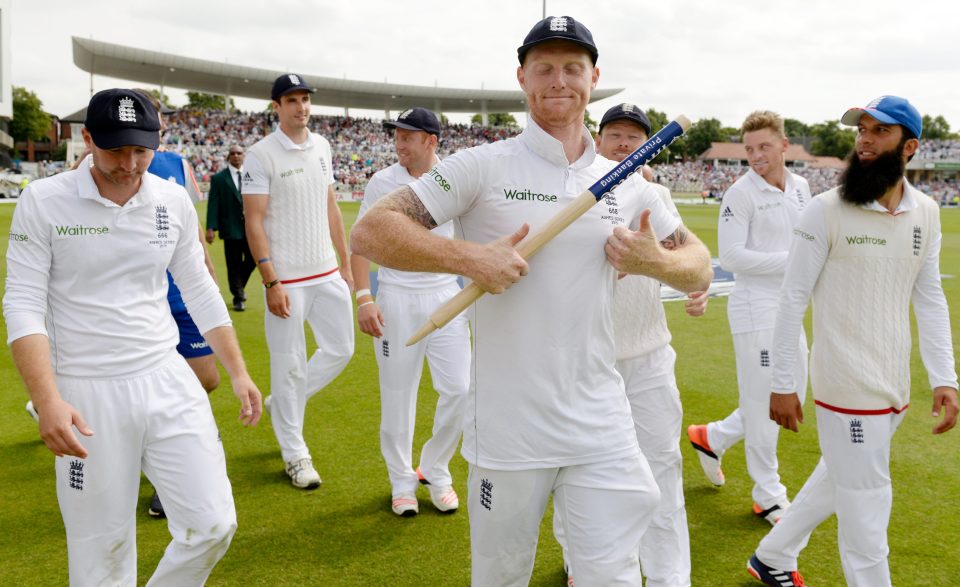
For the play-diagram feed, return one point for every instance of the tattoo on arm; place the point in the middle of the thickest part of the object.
(675, 240)
(406, 201)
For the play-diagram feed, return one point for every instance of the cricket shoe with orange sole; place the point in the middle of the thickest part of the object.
(773, 577)
(773, 513)
(709, 460)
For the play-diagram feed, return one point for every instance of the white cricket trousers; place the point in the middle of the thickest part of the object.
(657, 416)
(160, 423)
(851, 480)
(751, 420)
(327, 308)
(447, 350)
(605, 509)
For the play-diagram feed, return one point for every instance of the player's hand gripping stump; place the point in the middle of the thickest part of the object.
(534, 242)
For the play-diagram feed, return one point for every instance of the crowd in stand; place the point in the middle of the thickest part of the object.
(705, 178)
(939, 149)
(361, 147)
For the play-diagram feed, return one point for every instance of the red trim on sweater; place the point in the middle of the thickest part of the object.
(285, 281)
(861, 412)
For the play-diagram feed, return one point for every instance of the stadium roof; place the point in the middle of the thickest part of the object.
(168, 70)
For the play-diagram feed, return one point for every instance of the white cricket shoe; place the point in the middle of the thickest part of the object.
(33, 412)
(444, 498)
(709, 460)
(405, 505)
(303, 475)
(773, 513)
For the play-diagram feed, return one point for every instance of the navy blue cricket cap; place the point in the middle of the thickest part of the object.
(288, 82)
(120, 118)
(558, 28)
(888, 110)
(416, 119)
(626, 111)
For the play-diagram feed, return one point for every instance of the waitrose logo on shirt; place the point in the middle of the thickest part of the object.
(527, 195)
(81, 230)
(866, 239)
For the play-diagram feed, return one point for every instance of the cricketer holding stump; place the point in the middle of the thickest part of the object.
(93, 338)
(546, 412)
(864, 251)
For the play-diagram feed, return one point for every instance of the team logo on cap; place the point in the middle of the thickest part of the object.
(558, 24)
(626, 107)
(294, 79)
(405, 114)
(126, 111)
(876, 102)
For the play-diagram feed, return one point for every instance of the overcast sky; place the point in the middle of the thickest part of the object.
(808, 59)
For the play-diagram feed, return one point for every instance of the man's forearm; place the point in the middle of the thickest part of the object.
(392, 239)
(31, 355)
(360, 267)
(223, 341)
(259, 245)
(337, 233)
(689, 270)
(686, 269)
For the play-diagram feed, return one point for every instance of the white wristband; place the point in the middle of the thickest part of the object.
(362, 292)
(364, 304)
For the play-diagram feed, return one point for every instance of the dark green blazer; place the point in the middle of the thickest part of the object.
(225, 207)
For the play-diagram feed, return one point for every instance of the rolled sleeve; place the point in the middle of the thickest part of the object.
(28, 270)
(451, 188)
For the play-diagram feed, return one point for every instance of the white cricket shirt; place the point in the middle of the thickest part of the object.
(91, 275)
(382, 183)
(863, 265)
(296, 178)
(753, 236)
(544, 388)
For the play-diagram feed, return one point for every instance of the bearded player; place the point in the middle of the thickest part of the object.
(864, 251)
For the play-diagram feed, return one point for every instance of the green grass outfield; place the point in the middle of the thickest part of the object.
(345, 534)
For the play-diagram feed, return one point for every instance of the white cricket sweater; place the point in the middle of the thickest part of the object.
(863, 265)
(297, 178)
(640, 324)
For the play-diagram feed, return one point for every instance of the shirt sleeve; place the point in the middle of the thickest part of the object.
(28, 270)
(933, 320)
(667, 198)
(452, 187)
(200, 292)
(733, 229)
(256, 178)
(662, 220)
(376, 189)
(808, 254)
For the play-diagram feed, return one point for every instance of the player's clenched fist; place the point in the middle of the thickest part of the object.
(497, 265)
(634, 252)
